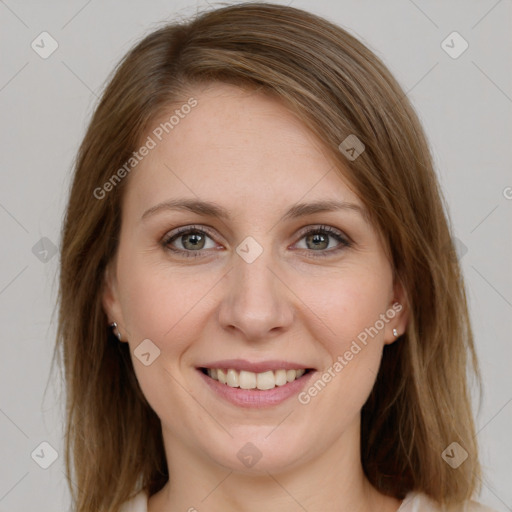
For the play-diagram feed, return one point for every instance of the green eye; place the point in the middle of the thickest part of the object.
(194, 240)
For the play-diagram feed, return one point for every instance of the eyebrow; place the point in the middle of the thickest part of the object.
(210, 209)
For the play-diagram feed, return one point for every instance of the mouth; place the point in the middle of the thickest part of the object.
(255, 384)
(262, 381)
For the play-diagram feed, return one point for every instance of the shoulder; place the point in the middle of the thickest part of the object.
(413, 502)
(137, 504)
(419, 502)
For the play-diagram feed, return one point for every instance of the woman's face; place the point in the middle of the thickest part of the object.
(250, 281)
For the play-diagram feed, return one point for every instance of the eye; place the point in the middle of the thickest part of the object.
(318, 240)
(190, 240)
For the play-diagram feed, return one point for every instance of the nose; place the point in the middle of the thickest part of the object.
(256, 302)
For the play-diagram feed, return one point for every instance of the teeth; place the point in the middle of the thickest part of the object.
(265, 380)
(232, 378)
(247, 380)
(281, 377)
(251, 380)
(221, 376)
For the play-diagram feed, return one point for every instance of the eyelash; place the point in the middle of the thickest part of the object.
(343, 242)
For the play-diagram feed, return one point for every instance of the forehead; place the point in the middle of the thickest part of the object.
(235, 144)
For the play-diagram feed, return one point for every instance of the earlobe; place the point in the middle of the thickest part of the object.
(110, 301)
(399, 305)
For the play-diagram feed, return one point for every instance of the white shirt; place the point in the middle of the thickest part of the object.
(413, 502)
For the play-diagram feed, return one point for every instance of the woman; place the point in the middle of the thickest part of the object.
(260, 307)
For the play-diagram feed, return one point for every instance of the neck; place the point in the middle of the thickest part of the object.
(332, 481)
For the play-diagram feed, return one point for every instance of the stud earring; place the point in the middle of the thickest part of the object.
(395, 333)
(116, 330)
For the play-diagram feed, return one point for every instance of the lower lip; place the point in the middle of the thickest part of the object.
(257, 398)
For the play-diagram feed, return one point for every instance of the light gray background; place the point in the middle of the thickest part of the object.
(465, 105)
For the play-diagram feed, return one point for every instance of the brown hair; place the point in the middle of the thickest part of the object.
(420, 403)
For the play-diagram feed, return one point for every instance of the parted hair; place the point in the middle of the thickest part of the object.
(421, 400)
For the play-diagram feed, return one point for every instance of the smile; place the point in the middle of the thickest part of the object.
(256, 385)
(250, 380)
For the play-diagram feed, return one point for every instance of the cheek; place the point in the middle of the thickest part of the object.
(351, 331)
(348, 302)
(164, 306)
(161, 303)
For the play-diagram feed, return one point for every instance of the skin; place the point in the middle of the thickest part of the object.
(246, 152)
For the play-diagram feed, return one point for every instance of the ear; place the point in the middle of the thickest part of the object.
(398, 313)
(110, 298)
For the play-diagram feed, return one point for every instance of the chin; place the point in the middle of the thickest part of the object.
(255, 452)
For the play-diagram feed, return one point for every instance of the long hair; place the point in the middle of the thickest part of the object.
(420, 403)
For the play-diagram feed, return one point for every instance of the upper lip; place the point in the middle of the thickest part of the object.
(255, 367)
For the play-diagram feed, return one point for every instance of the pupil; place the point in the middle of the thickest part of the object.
(319, 238)
(193, 239)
